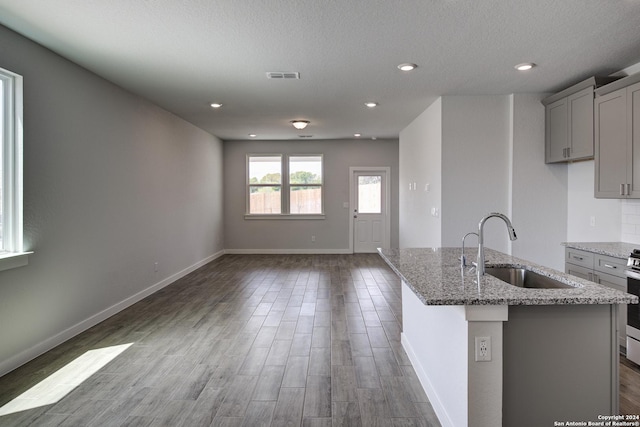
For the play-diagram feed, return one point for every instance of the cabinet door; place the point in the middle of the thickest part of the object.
(620, 284)
(611, 144)
(633, 129)
(556, 131)
(581, 124)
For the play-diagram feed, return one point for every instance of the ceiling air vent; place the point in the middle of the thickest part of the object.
(283, 75)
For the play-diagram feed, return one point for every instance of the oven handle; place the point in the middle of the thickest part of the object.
(632, 274)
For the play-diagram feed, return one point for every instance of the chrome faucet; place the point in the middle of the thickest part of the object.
(512, 236)
(463, 258)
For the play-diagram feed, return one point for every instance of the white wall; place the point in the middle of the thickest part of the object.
(443, 374)
(539, 190)
(475, 168)
(113, 184)
(630, 221)
(332, 233)
(582, 205)
(421, 164)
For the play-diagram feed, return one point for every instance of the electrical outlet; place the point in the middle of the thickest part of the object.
(483, 349)
(155, 267)
(313, 238)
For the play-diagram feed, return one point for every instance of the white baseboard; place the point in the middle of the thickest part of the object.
(438, 408)
(25, 356)
(287, 251)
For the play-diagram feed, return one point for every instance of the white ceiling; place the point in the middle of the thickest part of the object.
(184, 54)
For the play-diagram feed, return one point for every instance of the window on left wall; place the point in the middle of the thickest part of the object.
(11, 245)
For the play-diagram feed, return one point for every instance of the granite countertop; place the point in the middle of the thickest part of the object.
(613, 249)
(435, 276)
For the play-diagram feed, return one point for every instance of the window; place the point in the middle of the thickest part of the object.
(369, 194)
(10, 170)
(305, 184)
(299, 193)
(265, 184)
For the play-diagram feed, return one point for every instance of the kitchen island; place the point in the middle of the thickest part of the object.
(553, 352)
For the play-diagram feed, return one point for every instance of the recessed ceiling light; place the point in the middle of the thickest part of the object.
(216, 105)
(525, 66)
(371, 104)
(407, 66)
(252, 135)
(374, 138)
(357, 135)
(300, 124)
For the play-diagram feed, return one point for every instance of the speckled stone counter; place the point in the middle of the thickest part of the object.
(436, 278)
(613, 249)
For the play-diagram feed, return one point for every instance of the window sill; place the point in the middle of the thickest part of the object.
(11, 260)
(283, 216)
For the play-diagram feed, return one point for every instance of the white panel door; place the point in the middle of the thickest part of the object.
(370, 211)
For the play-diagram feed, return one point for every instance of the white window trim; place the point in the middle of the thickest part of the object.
(13, 255)
(285, 188)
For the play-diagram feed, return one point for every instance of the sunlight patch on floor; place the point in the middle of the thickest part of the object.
(62, 382)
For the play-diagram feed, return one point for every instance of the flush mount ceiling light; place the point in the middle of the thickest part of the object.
(300, 124)
(216, 105)
(357, 135)
(252, 135)
(371, 104)
(407, 66)
(525, 66)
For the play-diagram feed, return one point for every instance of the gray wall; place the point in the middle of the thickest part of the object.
(539, 191)
(113, 185)
(332, 233)
(475, 168)
(491, 159)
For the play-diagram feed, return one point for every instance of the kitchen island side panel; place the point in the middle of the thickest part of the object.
(435, 339)
(559, 364)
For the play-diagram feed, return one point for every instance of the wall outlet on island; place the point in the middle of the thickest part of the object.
(483, 349)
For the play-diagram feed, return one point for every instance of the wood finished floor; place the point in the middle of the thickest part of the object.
(629, 387)
(253, 340)
(247, 340)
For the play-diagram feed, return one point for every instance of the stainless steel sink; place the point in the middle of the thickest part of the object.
(524, 278)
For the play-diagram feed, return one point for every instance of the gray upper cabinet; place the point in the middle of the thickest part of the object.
(569, 128)
(617, 142)
(569, 122)
(556, 131)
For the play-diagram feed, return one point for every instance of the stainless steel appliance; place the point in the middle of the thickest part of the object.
(633, 310)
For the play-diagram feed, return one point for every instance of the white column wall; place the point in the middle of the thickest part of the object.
(421, 165)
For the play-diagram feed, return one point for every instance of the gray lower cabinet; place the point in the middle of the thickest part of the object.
(617, 143)
(604, 270)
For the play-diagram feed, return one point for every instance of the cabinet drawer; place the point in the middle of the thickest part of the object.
(610, 265)
(611, 281)
(578, 257)
(579, 271)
